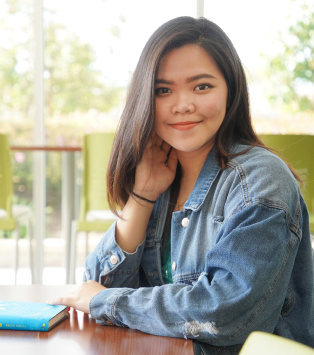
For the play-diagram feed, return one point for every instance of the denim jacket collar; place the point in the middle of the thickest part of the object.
(204, 181)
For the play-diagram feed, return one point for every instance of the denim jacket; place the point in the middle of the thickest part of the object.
(241, 261)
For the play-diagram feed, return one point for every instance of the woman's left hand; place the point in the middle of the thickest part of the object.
(80, 298)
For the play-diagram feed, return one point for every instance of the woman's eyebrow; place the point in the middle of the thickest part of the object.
(163, 81)
(188, 80)
(200, 76)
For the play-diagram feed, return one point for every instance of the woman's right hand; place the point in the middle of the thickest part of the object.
(153, 176)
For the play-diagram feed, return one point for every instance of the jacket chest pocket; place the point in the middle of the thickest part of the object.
(191, 241)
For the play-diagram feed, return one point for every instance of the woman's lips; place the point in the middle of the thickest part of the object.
(184, 126)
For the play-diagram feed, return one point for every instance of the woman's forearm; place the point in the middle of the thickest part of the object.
(131, 227)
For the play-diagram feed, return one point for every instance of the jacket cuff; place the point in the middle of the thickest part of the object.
(101, 306)
(108, 257)
(111, 255)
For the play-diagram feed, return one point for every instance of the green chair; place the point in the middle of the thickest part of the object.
(12, 216)
(297, 150)
(260, 343)
(94, 209)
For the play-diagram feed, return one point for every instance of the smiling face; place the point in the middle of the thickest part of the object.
(190, 99)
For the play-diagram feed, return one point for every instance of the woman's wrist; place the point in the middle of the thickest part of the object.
(144, 195)
(142, 198)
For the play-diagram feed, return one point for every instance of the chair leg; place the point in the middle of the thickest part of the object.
(16, 236)
(31, 254)
(71, 264)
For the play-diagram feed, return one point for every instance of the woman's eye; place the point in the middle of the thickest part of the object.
(160, 91)
(203, 87)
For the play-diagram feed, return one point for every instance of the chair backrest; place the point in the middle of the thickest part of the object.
(298, 151)
(96, 154)
(6, 185)
(260, 343)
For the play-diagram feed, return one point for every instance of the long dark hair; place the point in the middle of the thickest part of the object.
(137, 120)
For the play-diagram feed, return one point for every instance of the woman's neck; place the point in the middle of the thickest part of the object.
(191, 165)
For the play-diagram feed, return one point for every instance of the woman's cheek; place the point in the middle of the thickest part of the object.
(216, 110)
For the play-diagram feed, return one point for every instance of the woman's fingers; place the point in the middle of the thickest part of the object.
(64, 301)
(156, 170)
(160, 143)
(157, 140)
(80, 298)
(172, 160)
(165, 147)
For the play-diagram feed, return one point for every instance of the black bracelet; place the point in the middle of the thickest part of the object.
(142, 198)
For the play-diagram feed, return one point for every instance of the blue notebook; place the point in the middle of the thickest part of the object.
(30, 315)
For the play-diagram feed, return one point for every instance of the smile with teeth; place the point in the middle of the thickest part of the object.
(184, 126)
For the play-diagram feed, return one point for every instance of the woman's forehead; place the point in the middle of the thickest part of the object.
(187, 61)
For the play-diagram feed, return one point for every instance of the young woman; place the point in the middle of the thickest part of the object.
(213, 240)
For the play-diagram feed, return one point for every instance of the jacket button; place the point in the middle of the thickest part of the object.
(185, 222)
(113, 259)
(174, 265)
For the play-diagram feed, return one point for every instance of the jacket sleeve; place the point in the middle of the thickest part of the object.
(243, 287)
(108, 259)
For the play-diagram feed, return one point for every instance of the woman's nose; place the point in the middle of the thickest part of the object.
(183, 104)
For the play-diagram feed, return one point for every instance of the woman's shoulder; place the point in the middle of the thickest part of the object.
(264, 176)
(260, 160)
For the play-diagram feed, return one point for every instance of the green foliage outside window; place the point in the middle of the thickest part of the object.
(292, 70)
